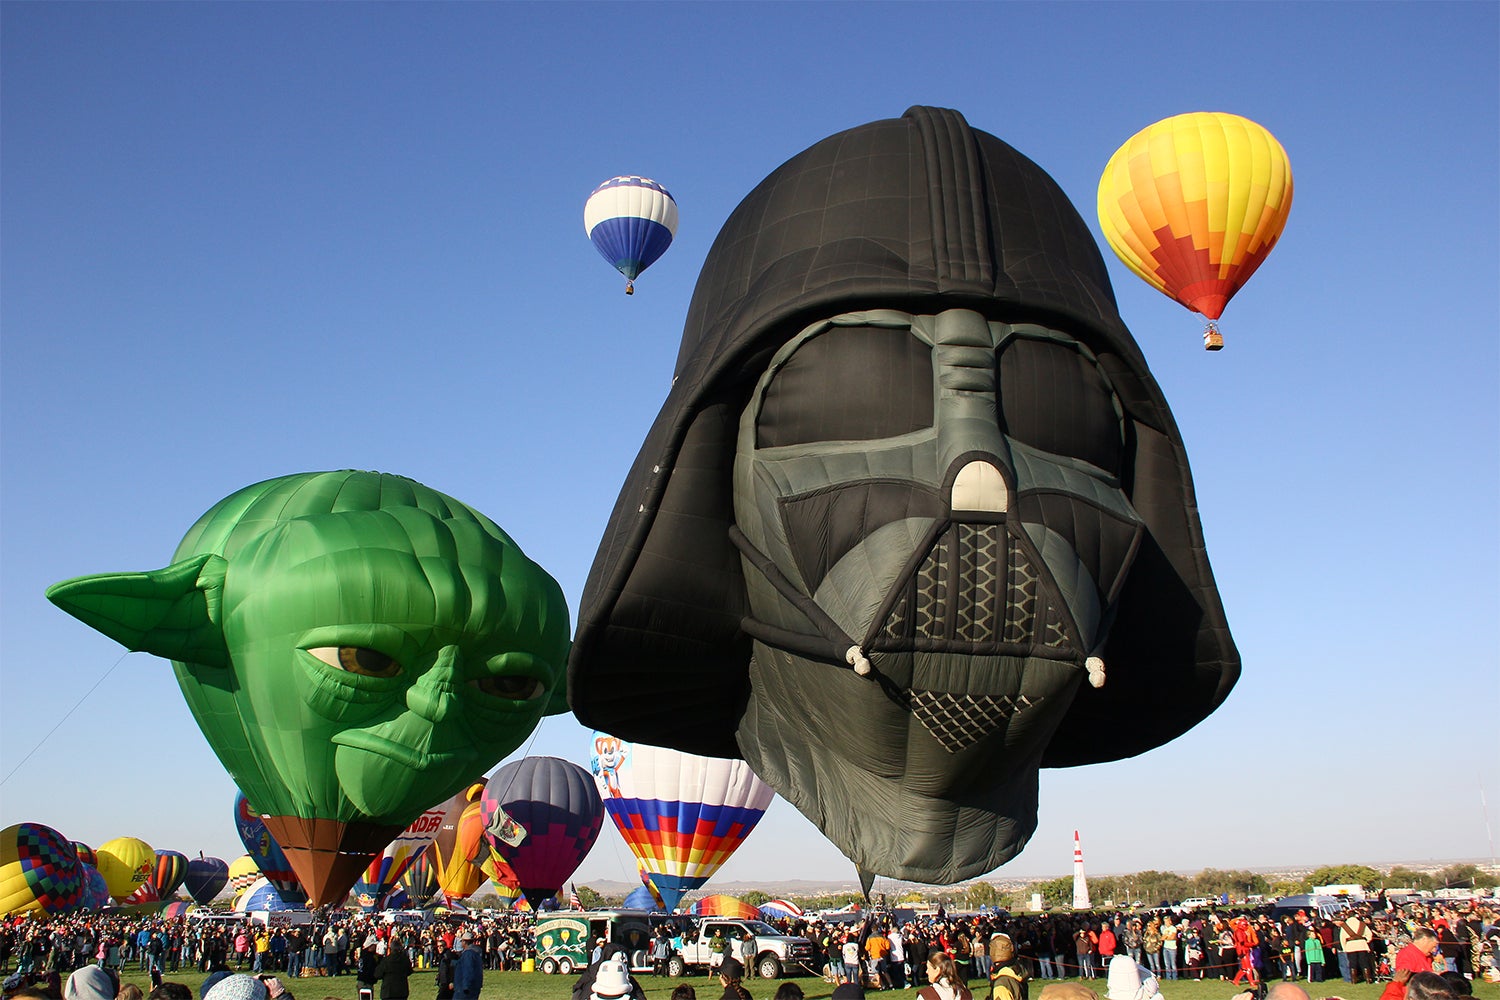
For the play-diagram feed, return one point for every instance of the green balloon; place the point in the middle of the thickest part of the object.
(355, 646)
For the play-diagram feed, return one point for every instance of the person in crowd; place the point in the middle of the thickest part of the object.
(788, 991)
(468, 969)
(91, 983)
(1354, 941)
(944, 980)
(731, 975)
(1125, 979)
(238, 986)
(1007, 976)
(393, 971)
(684, 991)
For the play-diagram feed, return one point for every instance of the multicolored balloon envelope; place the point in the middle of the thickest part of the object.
(127, 864)
(262, 895)
(555, 802)
(386, 869)
(206, 878)
(631, 222)
(724, 906)
(355, 646)
(39, 871)
(270, 861)
(681, 815)
(1193, 205)
(85, 853)
(459, 841)
(243, 873)
(95, 892)
(171, 871)
(420, 878)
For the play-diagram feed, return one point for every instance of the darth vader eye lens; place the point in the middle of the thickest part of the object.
(854, 383)
(358, 660)
(1054, 398)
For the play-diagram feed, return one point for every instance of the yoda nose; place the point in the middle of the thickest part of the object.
(979, 487)
(435, 697)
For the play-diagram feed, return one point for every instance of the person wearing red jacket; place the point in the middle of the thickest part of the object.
(1415, 957)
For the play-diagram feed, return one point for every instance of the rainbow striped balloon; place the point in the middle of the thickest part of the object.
(1194, 203)
(631, 221)
(681, 815)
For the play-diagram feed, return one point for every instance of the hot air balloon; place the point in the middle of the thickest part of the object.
(85, 853)
(724, 906)
(925, 591)
(681, 815)
(631, 222)
(269, 859)
(444, 646)
(420, 878)
(39, 871)
(127, 864)
(555, 802)
(459, 840)
(387, 867)
(95, 892)
(1194, 204)
(171, 871)
(206, 878)
(263, 895)
(243, 873)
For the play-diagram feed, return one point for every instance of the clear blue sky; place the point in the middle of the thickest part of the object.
(244, 240)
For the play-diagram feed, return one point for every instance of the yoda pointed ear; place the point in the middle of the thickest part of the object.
(172, 612)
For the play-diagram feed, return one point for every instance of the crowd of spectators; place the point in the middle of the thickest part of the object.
(877, 952)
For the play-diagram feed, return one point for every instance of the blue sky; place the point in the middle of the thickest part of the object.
(245, 240)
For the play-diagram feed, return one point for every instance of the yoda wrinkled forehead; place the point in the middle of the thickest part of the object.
(354, 645)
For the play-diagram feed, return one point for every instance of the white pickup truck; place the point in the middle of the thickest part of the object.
(773, 952)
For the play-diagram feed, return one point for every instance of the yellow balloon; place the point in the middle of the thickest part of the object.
(126, 864)
(243, 873)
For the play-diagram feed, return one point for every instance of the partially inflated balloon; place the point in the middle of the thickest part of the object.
(631, 222)
(681, 815)
(127, 864)
(39, 871)
(724, 906)
(262, 895)
(1194, 204)
(262, 848)
(206, 878)
(354, 646)
(243, 873)
(420, 878)
(387, 867)
(171, 872)
(555, 802)
(459, 841)
(95, 893)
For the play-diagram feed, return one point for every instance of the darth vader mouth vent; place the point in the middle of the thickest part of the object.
(958, 721)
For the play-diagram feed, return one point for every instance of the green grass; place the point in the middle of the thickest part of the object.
(536, 986)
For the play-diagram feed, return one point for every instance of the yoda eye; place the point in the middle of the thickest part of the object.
(358, 660)
(516, 687)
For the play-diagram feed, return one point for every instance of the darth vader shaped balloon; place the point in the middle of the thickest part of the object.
(915, 520)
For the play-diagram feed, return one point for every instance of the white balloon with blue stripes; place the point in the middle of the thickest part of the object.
(631, 222)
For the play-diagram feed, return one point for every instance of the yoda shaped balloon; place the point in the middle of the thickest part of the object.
(355, 647)
(915, 520)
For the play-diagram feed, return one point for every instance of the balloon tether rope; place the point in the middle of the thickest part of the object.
(65, 717)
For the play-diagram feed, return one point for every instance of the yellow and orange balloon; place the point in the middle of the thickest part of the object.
(1193, 204)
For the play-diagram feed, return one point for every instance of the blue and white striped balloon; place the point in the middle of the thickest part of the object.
(631, 222)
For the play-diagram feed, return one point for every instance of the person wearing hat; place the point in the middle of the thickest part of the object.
(612, 954)
(1128, 980)
(611, 981)
(238, 986)
(1007, 976)
(91, 983)
(731, 972)
(468, 969)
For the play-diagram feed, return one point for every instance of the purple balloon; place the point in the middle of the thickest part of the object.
(205, 878)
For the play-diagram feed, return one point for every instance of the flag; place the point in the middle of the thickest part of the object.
(573, 900)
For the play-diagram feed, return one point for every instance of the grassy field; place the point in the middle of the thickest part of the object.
(535, 986)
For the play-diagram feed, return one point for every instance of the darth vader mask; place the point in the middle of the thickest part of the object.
(914, 521)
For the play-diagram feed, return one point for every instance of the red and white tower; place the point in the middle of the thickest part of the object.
(1080, 884)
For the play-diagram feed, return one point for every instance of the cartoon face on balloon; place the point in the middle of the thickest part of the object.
(355, 647)
(914, 521)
